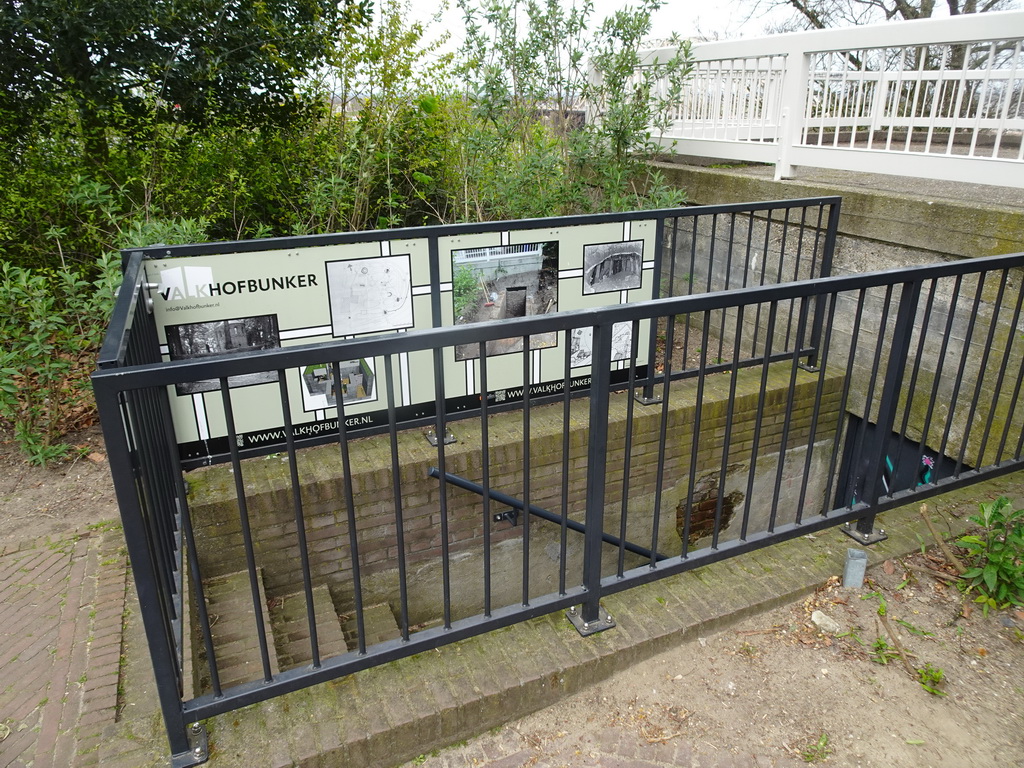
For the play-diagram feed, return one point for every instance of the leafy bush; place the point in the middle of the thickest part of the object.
(400, 145)
(52, 328)
(54, 325)
(996, 555)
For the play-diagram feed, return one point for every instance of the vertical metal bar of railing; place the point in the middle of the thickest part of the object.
(853, 487)
(202, 614)
(728, 275)
(563, 525)
(816, 414)
(787, 422)
(440, 431)
(162, 652)
(827, 254)
(300, 521)
(597, 446)
(396, 494)
(1014, 399)
(915, 372)
(958, 380)
(698, 405)
(485, 469)
(759, 419)
(1000, 378)
(764, 271)
(940, 363)
(627, 448)
(526, 470)
(910, 295)
(801, 229)
(350, 516)
(247, 541)
(694, 234)
(658, 292)
(730, 413)
(670, 321)
(980, 377)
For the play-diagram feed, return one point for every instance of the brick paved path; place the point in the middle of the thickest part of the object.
(61, 608)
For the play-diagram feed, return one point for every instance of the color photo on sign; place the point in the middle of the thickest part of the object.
(503, 281)
(321, 384)
(219, 337)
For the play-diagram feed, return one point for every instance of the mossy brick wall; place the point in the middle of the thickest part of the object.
(964, 408)
(268, 493)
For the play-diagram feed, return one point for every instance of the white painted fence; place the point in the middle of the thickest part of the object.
(938, 98)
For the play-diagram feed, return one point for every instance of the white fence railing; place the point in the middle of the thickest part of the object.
(939, 99)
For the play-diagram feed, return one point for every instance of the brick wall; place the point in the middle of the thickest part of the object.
(268, 494)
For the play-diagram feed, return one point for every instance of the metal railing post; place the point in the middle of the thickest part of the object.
(827, 254)
(646, 394)
(187, 744)
(591, 617)
(892, 386)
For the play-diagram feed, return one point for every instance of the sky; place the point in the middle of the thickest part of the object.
(693, 19)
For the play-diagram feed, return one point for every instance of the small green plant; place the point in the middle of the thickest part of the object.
(817, 751)
(931, 678)
(882, 652)
(996, 555)
(852, 634)
(914, 630)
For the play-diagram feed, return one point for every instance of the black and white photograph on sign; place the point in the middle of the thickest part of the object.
(320, 390)
(219, 337)
(581, 344)
(371, 295)
(504, 281)
(612, 266)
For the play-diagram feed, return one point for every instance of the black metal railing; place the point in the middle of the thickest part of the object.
(736, 439)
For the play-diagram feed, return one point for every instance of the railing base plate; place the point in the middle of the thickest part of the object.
(864, 538)
(605, 621)
(199, 751)
(643, 399)
(449, 438)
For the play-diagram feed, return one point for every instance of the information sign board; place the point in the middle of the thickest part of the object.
(214, 303)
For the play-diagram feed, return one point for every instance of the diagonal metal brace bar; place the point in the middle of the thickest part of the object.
(542, 513)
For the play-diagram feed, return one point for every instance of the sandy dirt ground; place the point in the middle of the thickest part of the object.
(777, 690)
(55, 501)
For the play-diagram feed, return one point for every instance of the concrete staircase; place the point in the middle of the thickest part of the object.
(291, 628)
(378, 623)
(233, 627)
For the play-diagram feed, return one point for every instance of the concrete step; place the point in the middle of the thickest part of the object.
(234, 630)
(291, 628)
(379, 624)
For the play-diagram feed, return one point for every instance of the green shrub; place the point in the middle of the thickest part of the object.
(52, 328)
(996, 555)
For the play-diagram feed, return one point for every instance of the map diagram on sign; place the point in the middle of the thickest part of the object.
(370, 295)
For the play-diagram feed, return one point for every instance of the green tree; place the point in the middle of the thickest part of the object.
(189, 61)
